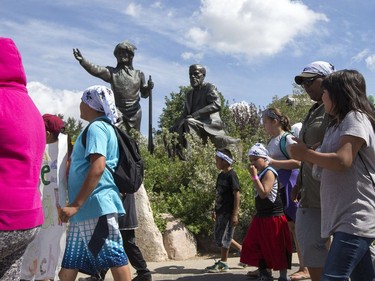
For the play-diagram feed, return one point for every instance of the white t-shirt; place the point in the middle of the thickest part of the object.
(273, 146)
(348, 197)
(296, 128)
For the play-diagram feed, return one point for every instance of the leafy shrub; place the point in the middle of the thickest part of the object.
(186, 189)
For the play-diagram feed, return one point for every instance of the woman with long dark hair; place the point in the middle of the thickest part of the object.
(347, 180)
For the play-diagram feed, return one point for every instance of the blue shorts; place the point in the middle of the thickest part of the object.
(94, 244)
(224, 230)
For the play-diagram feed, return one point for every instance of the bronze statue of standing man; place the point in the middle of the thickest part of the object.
(127, 83)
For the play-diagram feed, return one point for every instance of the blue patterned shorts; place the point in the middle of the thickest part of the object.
(94, 244)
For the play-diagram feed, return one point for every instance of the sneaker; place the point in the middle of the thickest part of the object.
(284, 279)
(242, 264)
(265, 278)
(212, 266)
(143, 277)
(254, 274)
(218, 267)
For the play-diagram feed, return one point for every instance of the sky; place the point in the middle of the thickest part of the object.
(252, 49)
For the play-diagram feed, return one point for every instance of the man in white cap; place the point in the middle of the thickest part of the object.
(313, 248)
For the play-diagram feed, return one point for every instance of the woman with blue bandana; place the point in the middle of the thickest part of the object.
(93, 240)
(267, 243)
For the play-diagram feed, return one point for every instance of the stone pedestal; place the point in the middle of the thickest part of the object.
(149, 238)
(179, 242)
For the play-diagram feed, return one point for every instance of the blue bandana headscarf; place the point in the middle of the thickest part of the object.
(101, 99)
(224, 157)
(259, 150)
(316, 68)
(320, 68)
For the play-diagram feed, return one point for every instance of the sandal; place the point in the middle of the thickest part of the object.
(255, 273)
(299, 275)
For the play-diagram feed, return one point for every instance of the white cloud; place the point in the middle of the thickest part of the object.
(192, 56)
(197, 35)
(157, 4)
(133, 10)
(360, 56)
(370, 62)
(251, 27)
(54, 101)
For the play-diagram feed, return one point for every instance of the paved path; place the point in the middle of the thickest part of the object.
(194, 270)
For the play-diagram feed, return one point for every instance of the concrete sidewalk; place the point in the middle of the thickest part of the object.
(194, 270)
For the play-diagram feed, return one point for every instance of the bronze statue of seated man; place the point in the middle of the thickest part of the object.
(201, 113)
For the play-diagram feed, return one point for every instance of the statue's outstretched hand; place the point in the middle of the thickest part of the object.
(77, 54)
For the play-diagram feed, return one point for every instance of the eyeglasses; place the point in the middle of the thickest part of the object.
(308, 81)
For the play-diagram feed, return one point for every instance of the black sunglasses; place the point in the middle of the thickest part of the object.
(308, 81)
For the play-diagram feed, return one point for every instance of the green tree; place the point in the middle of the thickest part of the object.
(173, 107)
(246, 119)
(371, 98)
(72, 127)
(295, 106)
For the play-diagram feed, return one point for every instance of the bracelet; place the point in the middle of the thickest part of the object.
(255, 177)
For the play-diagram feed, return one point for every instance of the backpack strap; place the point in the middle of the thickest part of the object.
(282, 144)
(84, 136)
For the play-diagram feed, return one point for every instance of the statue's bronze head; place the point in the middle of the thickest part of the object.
(199, 67)
(124, 53)
(124, 46)
(197, 73)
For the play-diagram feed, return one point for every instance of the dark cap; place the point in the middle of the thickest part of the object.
(54, 124)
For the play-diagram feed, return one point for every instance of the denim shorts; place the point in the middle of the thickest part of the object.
(223, 230)
(349, 256)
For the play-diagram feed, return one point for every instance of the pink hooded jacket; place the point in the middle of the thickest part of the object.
(22, 144)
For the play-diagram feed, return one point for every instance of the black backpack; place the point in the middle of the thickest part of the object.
(128, 174)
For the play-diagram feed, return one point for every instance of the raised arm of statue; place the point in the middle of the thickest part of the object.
(77, 54)
(95, 70)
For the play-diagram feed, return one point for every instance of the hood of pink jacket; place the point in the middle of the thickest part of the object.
(12, 72)
(22, 143)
